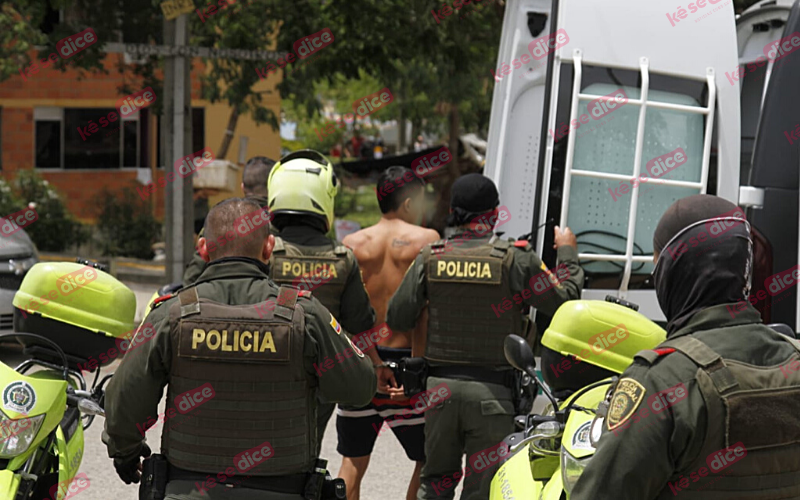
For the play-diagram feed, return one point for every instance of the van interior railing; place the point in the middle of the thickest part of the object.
(644, 103)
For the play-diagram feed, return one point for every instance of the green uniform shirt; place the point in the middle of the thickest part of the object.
(412, 295)
(134, 392)
(638, 458)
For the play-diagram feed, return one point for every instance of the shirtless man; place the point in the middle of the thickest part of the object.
(384, 253)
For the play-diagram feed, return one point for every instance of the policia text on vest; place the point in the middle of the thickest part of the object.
(246, 341)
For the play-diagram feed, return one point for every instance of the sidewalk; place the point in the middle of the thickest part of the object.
(122, 268)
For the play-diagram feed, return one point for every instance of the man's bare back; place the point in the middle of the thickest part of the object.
(384, 252)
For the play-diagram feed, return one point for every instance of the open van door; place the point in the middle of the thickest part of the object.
(771, 188)
(757, 27)
(629, 90)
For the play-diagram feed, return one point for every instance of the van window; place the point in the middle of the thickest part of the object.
(606, 142)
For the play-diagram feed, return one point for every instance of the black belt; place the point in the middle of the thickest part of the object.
(474, 373)
(291, 484)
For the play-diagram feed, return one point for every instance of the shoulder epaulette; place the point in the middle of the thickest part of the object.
(438, 246)
(522, 244)
(340, 250)
(652, 355)
(161, 299)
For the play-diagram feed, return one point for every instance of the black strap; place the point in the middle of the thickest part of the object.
(287, 299)
(707, 359)
(291, 484)
(474, 373)
(190, 302)
(499, 246)
(279, 247)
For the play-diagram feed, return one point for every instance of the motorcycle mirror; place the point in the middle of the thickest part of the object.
(519, 354)
(546, 440)
(548, 429)
(89, 407)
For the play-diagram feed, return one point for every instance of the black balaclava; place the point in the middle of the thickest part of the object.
(705, 257)
(470, 195)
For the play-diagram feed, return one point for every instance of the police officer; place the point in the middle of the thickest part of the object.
(475, 284)
(254, 186)
(242, 383)
(714, 411)
(302, 187)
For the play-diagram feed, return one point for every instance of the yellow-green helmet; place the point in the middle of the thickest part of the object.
(601, 333)
(303, 183)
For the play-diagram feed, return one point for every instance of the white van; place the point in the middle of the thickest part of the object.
(638, 89)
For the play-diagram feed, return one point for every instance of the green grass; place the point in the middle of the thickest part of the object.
(359, 205)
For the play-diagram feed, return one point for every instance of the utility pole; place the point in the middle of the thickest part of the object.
(176, 127)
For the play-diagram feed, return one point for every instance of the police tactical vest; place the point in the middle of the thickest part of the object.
(754, 412)
(462, 285)
(262, 401)
(320, 270)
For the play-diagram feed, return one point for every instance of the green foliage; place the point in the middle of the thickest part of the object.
(126, 225)
(9, 203)
(359, 205)
(55, 230)
(17, 37)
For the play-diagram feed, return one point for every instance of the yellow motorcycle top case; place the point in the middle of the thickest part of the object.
(82, 309)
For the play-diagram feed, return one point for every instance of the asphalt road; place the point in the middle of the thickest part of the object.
(386, 479)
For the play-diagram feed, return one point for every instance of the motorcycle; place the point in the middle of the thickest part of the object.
(42, 423)
(548, 456)
(549, 453)
(65, 315)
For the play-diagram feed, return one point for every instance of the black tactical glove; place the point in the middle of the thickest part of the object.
(129, 469)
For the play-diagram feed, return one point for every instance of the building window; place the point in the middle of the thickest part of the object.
(63, 139)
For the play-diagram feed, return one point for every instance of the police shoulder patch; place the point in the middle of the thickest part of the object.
(627, 396)
(336, 326)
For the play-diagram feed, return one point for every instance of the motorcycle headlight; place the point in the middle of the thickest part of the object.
(571, 469)
(17, 435)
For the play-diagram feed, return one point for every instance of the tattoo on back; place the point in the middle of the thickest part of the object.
(400, 243)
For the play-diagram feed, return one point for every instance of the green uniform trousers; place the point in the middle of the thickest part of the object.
(475, 418)
(187, 490)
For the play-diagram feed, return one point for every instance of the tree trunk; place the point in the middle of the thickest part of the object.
(455, 168)
(402, 140)
(226, 141)
(453, 142)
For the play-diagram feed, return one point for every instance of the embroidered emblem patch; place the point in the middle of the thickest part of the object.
(627, 396)
(356, 349)
(19, 397)
(336, 326)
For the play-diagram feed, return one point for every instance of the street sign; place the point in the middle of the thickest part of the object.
(136, 50)
(142, 49)
(174, 8)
